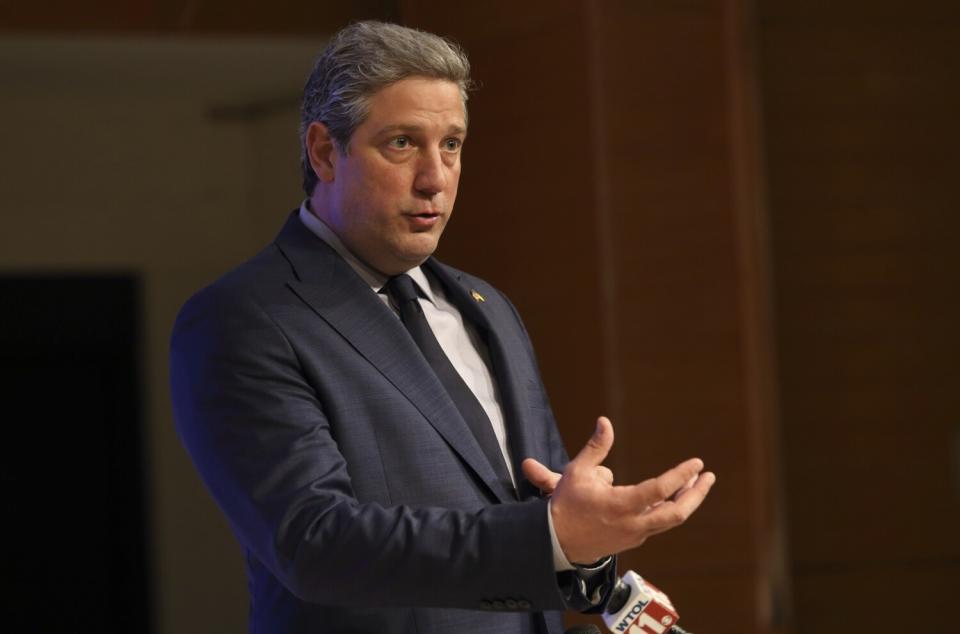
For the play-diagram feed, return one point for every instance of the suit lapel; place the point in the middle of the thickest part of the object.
(339, 296)
(500, 339)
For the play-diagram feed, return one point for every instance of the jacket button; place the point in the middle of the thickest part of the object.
(486, 605)
(511, 604)
(523, 604)
(499, 605)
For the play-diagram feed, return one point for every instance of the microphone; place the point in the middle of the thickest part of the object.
(636, 606)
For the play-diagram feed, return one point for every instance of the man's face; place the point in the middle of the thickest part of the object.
(390, 197)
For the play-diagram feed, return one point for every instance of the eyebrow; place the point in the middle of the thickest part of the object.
(400, 127)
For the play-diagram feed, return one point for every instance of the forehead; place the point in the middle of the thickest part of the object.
(418, 100)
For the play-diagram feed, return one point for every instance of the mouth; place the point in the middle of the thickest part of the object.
(424, 219)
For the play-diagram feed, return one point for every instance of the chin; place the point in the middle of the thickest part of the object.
(419, 250)
(407, 261)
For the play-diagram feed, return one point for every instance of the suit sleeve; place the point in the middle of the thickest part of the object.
(259, 438)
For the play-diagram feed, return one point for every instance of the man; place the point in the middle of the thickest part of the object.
(371, 421)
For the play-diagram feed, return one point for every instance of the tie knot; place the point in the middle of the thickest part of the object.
(401, 288)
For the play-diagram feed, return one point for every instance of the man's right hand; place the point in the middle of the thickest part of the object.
(593, 518)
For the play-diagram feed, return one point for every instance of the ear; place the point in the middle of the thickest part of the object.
(321, 151)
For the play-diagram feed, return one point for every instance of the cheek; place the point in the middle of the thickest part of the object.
(367, 196)
(377, 194)
(390, 188)
(454, 181)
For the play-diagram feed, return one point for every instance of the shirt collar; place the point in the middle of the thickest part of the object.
(373, 278)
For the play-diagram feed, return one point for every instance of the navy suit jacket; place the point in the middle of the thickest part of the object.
(358, 492)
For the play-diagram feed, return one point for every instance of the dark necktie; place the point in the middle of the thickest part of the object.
(403, 291)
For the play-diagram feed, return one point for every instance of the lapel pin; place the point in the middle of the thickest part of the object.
(477, 297)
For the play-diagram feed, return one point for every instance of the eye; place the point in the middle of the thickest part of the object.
(452, 144)
(400, 142)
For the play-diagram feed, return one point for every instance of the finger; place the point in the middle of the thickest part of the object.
(710, 480)
(701, 487)
(686, 487)
(597, 448)
(673, 513)
(540, 476)
(656, 490)
(605, 474)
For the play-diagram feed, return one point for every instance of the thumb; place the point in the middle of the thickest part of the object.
(540, 476)
(597, 448)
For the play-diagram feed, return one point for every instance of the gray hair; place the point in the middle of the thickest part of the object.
(360, 60)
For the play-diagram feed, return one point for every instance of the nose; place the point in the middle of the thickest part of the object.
(432, 176)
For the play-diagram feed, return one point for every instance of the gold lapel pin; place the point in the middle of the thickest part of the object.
(477, 297)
